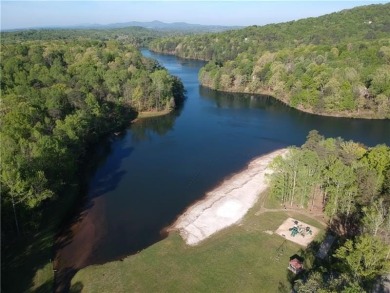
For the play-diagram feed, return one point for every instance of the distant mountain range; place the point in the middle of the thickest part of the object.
(158, 25)
(154, 25)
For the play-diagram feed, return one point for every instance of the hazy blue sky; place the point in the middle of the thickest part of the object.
(24, 14)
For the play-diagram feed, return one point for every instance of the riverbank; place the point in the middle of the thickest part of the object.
(370, 115)
(227, 203)
(266, 92)
(261, 257)
(148, 114)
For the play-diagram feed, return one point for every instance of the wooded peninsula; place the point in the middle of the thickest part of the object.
(336, 64)
(65, 90)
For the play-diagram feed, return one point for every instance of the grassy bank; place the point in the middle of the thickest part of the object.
(242, 258)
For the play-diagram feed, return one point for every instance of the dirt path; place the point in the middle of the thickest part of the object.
(227, 203)
(318, 217)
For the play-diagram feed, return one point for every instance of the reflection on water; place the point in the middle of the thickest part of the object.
(239, 101)
(149, 174)
(144, 128)
(369, 132)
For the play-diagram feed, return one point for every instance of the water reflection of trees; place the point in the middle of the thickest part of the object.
(190, 63)
(375, 131)
(242, 101)
(143, 128)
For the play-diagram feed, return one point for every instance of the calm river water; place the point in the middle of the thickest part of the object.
(147, 176)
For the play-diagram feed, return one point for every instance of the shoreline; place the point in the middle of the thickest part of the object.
(353, 115)
(227, 203)
(151, 114)
(147, 114)
(301, 109)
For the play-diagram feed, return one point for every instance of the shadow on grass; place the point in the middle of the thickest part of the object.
(307, 256)
(76, 288)
(282, 288)
(21, 261)
(313, 263)
(27, 263)
(48, 287)
(63, 280)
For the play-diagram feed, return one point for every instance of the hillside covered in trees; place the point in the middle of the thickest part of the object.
(337, 64)
(353, 183)
(57, 98)
(137, 36)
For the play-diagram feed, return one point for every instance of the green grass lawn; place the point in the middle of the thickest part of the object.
(270, 202)
(242, 258)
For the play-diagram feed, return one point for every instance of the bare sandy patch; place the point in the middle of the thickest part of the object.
(227, 203)
(269, 232)
(306, 234)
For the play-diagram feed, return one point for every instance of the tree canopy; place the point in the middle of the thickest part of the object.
(351, 182)
(137, 36)
(60, 96)
(336, 64)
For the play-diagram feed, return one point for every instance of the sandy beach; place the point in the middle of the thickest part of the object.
(227, 203)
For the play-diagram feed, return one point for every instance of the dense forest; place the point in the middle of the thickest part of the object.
(57, 98)
(337, 64)
(137, 36)
(353, 184)
(63, 90)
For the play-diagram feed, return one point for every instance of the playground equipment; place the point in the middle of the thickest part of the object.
(300, 229)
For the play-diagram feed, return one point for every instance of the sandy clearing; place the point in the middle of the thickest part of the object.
(227, 203)
(284, 231)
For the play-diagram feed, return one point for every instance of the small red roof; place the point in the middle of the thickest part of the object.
(296, 263)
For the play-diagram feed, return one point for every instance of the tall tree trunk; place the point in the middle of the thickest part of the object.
(285, 189)
(335, 203)
(16, 218)
(347, 214)
(293, 189)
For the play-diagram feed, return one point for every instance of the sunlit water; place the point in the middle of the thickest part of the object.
(149, 175)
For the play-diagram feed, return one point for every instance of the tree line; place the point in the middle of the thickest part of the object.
(337, 64)
(353, 184)
(58, 97)
(137, 36)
